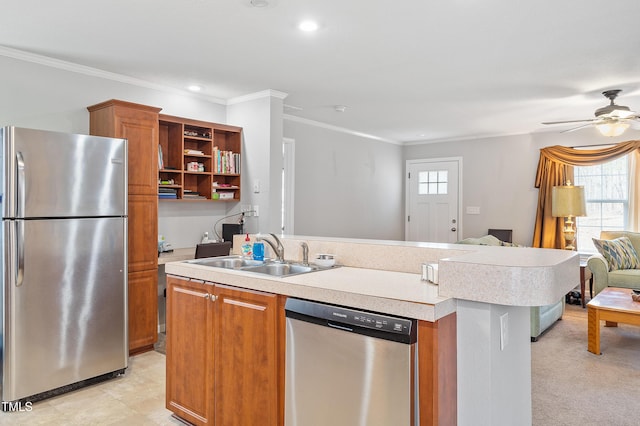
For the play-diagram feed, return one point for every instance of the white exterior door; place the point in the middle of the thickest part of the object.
(433, 200)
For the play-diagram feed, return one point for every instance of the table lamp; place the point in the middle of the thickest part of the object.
(568, 201)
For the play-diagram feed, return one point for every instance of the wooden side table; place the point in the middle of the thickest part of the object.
(585, 274)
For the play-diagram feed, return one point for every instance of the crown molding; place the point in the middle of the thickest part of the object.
(463, 138)
(95, 72)
(337, 129)
(269, 93)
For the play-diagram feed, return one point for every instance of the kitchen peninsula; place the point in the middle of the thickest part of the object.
(474, 360)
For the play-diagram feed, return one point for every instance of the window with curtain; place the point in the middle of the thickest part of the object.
(607, 195)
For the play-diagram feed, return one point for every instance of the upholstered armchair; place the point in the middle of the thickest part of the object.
(617, 264)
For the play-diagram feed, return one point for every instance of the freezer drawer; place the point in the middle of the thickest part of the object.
(51, 174)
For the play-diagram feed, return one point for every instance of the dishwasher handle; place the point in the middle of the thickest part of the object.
(339, 327)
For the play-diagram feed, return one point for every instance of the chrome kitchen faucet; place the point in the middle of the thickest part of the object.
(278, 248)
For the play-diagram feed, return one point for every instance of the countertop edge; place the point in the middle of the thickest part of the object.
(294, 286)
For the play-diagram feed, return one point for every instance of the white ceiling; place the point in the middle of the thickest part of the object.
(406, 69)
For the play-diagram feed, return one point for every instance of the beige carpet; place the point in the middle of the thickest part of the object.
(572, 386)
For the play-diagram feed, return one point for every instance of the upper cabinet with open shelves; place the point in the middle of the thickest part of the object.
(198, 160)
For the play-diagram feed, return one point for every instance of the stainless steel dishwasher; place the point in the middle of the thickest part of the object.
(347, 367)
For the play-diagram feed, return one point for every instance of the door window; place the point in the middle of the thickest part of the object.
(433, 182)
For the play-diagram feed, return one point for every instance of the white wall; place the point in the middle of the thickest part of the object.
(346, 185)
(499, 176)
(261, 120)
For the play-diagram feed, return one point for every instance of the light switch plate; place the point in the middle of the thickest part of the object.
(473, 210)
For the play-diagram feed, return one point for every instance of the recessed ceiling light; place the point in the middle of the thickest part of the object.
(195, 88)
(308, 26)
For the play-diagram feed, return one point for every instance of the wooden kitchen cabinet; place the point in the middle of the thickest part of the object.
(143, 328)
(139, 125)
(225, 354)
(246, 355)
(438, 371)
(189, 348)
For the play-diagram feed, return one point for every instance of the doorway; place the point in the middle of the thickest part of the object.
(433, 199)
(288, 187)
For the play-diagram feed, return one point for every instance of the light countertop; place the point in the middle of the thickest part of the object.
(511, 276)
(385, 276)
(395, 293)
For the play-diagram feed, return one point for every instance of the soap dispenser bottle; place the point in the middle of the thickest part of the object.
(247, 248)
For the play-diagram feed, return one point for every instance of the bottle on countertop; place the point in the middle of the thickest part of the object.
(258, 251)
(247, 248)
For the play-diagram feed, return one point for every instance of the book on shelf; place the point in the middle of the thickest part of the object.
(192, 195)
(160, 158)
(225, 161)
(225, 186)
(167, 196)
(193, 152)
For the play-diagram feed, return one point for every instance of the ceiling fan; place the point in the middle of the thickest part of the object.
(610, 120)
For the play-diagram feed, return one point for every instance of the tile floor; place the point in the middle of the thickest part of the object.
(137, 398)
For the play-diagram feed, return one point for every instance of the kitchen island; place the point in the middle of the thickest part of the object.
(473, 331)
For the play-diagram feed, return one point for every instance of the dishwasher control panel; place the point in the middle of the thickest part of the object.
(348, 317)
(395, 325)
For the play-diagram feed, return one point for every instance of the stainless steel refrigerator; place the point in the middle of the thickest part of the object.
(64, 270)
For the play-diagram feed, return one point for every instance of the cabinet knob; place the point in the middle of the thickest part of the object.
(453, 229)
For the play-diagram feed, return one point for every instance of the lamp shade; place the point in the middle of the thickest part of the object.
(613, 128)
(568, 201)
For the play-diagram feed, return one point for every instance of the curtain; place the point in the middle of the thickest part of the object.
(555, 167)
(634, 191)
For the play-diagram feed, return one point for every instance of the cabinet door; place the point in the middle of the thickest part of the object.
(140, 128)
(190, 350)
(139, 125)
(246, 352)
(143, 310)
(143, 232)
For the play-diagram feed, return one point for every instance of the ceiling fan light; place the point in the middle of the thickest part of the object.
(615, 128)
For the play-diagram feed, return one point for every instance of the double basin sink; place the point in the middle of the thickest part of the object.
(268, 267)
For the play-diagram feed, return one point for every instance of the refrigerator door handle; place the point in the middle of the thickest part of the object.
(20, 249)
(20, 185)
